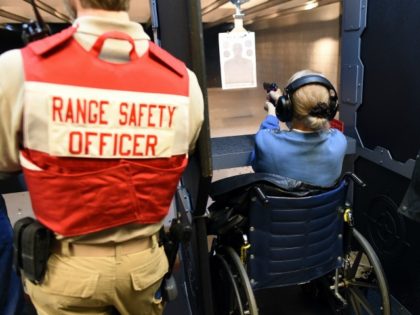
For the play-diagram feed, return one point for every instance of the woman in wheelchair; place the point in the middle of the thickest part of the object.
(289, 223)
(310, 151)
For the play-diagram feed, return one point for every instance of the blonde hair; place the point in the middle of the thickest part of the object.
(306, 98)
(110, 5)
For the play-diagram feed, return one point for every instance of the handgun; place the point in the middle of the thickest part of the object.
(270, 86)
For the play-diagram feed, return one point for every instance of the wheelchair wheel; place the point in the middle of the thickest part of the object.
(364, 285)
(231, 287)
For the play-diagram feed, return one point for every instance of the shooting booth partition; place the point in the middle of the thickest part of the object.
(379, 106)
(177, 27)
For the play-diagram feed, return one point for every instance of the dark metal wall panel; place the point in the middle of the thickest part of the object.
(351, 74)
(378, 102)
(180, 32)
(378, 81)
(9, 40)
(390, 113)
(12, 39)
(174, 29)
(394, 238)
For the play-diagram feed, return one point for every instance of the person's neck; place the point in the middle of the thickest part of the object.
(119, 15)
(298, 125)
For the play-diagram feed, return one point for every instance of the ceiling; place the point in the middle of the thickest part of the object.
(54, 10)
(214, 12)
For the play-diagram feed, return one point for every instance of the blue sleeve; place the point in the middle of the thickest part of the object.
(270, 122)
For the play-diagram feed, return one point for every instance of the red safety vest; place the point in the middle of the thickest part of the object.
(104, 144)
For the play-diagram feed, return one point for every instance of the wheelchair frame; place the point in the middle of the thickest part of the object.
(355, 283)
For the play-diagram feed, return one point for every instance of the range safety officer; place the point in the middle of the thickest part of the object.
(101, 121)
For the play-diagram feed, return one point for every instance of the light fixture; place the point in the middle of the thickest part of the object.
(244, 5)
(311, 4)
(8, 27)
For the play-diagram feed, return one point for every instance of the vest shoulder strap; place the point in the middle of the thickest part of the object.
(167, 59)
(45, 45)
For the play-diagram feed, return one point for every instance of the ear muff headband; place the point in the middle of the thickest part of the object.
(284, 107)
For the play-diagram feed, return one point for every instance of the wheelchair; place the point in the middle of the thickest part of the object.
(269, 231)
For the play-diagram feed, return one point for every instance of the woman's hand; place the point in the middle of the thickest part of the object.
(273, 96)
(270, 108)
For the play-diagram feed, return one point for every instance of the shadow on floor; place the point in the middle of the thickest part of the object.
(291, 300)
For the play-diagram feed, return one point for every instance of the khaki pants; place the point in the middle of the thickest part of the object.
(96, 285)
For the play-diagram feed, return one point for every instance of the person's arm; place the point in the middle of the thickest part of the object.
(11, 102)
(196, 110)
(271, 121)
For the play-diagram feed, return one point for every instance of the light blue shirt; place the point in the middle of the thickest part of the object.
(315, 158)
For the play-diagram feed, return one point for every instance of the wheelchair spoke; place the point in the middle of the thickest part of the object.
(362, 300)
(234, 298)
(355, 306)
(247, 294)
(362, 284)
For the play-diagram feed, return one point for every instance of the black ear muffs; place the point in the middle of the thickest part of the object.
(284, 106)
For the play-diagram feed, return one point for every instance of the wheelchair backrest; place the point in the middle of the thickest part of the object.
(295, 240)
(295, 231)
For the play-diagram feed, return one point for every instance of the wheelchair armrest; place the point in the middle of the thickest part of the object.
(260, 195)
(356, 179)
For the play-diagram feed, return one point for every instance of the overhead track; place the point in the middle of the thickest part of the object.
(50, 10)
(13, 17)
(262, 6)
(213, 6)
(270, 9)
(267, 14)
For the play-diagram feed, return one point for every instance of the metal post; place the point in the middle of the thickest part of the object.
(181, 33)
(155, 21)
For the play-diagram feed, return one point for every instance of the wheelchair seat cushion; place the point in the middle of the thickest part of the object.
(280, 185)
(232, 195)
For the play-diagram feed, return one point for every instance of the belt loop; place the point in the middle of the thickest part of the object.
(154, 241)
(65, 247)
(118, 252)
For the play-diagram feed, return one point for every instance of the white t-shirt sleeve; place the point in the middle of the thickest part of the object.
(11, 105)
(196, 109)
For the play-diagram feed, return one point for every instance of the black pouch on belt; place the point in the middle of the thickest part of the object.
(18, 228)
(33, 249)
